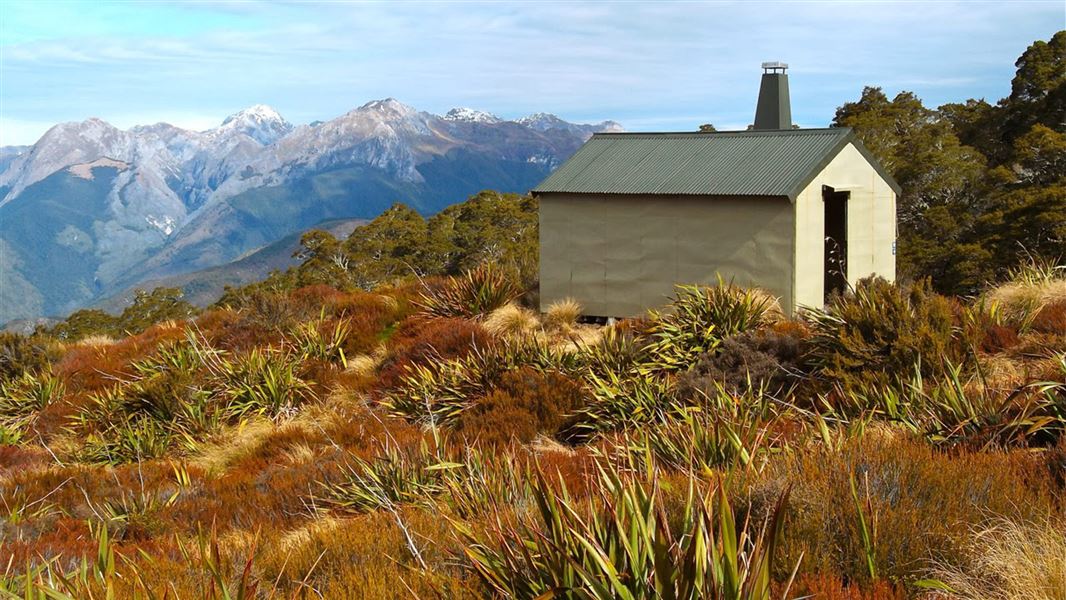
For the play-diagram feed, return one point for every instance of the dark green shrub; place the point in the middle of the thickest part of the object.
(879, 333)
(764, 360)
(20, 354)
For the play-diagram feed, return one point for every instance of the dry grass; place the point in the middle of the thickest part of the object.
(1020, 302)
(511, 320)
(1012, 560)
(563, 314)
(97, 340)
(259, 483)
(232, 445)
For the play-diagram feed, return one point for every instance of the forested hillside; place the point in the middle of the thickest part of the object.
(984, 185)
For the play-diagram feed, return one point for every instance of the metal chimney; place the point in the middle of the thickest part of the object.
(773, 110)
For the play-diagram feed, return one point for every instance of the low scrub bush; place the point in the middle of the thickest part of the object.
(761, 360)
(525, 403)
(1051, 318)
(420, 342)
(919, 502)
(878, 333)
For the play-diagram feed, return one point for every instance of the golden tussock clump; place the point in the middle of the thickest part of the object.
(1020, 301)
(97, 340)
(773, 312)
(563, 314)
(511, 320)
(1013, 560)
(366, 364)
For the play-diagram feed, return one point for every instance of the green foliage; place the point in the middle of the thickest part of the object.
(878, 333)
(628, 545)
(147, 309)
(474, 294)
(324, 260)
(697, 320)
(982, 184)
(22, 398)
(264, 382)
(720, 437)
(84, 323)
(187, 390)
(393, 479)
(489, 228)
(387, 248)
(625, 401)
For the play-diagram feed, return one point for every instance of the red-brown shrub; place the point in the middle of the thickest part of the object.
(998, 338)
(832, 587)
(422, 341)
(231, 330)
(1051, 318)
(91, 367)
(526, 402)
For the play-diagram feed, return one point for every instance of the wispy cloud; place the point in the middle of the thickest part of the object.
(648, 65)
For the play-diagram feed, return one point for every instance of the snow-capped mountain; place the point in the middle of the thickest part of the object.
(259, 122)
(544, 122)
(470, 115)
(91, 208)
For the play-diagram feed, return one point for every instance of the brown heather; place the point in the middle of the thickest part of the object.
(885, 483)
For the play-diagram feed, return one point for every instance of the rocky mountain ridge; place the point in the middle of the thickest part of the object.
(91, 208)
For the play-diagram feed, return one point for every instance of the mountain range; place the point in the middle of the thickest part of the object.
(91, 210)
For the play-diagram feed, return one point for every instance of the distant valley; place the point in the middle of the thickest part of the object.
(91, 211)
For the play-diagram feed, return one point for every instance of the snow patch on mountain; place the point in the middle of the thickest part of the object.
(470, 115)
(165, 224)
(260, 122)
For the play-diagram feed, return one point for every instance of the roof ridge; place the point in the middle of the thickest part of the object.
(713, 134)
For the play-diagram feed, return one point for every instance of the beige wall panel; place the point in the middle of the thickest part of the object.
(871, 225)
(625, 254)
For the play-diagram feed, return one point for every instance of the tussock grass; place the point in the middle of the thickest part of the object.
(563, 314)
(1012, 559)
(512, 320)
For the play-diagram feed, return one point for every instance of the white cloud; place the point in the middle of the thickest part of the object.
(653, 64)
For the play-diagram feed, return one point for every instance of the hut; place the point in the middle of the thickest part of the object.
(798, 212)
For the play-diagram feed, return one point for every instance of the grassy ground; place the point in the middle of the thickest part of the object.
(440, 441)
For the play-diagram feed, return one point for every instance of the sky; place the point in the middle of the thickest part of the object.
(652, 66)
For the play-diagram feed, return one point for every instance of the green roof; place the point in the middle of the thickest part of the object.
(729, 163)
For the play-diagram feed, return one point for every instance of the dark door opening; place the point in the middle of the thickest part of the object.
(836, 240)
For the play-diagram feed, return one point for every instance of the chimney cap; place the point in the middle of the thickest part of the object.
(773, 66)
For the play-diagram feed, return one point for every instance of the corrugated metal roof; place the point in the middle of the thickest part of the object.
(735, 163)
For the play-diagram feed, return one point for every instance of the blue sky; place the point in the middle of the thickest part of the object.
(649, 65)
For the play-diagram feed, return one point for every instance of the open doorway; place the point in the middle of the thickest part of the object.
(836, 240)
